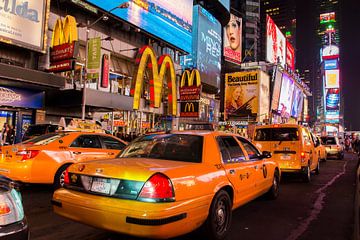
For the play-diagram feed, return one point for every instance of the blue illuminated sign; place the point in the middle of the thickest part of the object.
(169, 20)
(331, 64)
(18, 97)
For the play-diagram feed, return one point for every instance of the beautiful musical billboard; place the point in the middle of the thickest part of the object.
(275, 43)
(286, 94)
(332, 79)
(232, 40)
(169, 20)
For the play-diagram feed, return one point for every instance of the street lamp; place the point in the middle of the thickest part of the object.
(88, 25)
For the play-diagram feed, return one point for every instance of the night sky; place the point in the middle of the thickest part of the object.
(349, 52)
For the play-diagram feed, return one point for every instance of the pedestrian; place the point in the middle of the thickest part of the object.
(347, 143)
(8, 135)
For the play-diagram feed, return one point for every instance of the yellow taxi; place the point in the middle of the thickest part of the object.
(320, 149)
(43, 159)
(166, 185)
(292, 146)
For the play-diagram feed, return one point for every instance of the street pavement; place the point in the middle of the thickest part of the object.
(321, 210)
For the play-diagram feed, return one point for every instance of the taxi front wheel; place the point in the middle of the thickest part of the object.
(59, 176)
(218, 222)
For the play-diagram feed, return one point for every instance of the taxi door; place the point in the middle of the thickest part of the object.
(239, 170)
(87, 147)
(309, 148)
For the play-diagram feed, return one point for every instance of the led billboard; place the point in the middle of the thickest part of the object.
(275, 43)
(297, 102)
(330, 52)
(232, 40)
(276, 90)
(24, 23)
(169, 20)
(332, 79)
(332, 99)
(327, 17)
(290, 55)
(207, 45)
(286, 94)
(331, 64)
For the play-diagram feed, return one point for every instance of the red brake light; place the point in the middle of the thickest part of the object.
(302, 154)
(28, 154)
(4, 209)
(158, 188)
(66, 177)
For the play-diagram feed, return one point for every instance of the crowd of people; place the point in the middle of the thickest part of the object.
(352, 142)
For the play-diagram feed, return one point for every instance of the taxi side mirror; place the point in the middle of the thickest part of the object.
(266, 154)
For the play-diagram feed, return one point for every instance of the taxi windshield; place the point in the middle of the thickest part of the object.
(177, 147)
(277, 134)
(45, 139)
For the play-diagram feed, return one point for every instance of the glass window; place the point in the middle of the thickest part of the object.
(328, 140)
(112, 143)
(306, 137)
(45, 139)
(251, 150)
(277, 134)
(87, 141)
(177, 147)
(233, 148)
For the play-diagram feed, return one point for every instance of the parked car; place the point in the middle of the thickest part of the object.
(166, 185)
(38, 130)
(43, 159)
(291, 145)
(13, 224)
(333, 147)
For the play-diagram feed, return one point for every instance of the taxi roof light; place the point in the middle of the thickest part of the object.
(28, 154)
(158, 188)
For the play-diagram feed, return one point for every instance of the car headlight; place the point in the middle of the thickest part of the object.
(11, 208)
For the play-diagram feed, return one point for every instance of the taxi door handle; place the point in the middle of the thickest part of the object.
(232, 171)
(76, 153)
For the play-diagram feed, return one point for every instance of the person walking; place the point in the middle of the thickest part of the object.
(8, 135)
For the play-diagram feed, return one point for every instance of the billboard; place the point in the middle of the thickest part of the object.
(241, 94)
(207, 46)
(264, 95)
(24, 23)
(169, 20)
(297, 103)
(276, 90)
(330, 52)
(232, 40)
(332, 99)
(327, 17)
(331, 64)
(290, 55)
(286, 94)
(332, 79)
(275, 43)
(18, 97)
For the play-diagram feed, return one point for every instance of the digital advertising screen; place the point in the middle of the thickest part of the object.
(207, 46)
(169, 20)
(232, 40)
(286, 94)
(275, 43)
(330, 52)
(297, 102)
(241, 94)
(276, 90)
(290, 55)
(331, 64)
(332, 99)
(332, 79)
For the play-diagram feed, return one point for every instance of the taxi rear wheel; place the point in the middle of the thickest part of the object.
(218, 222)
(60, 176)
(317, 169)
(307, 174)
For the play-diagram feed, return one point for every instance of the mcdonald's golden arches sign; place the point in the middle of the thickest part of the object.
(158, 69)
(188, 90)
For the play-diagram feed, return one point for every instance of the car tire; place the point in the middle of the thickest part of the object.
(218, 222)
(59, 176)
(317, 169)
(307, 174)
(273, 192)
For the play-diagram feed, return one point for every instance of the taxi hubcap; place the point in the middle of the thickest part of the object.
(221, 216)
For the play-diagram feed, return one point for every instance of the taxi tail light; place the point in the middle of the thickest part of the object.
(66, 177)
(302, 155)
(158, 188)
(28, 154)
(11, 209)
(4, 209)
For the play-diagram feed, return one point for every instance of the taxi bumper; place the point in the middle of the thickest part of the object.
(141, 219)
(17, 170)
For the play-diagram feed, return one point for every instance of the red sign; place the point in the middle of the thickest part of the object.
(145, 125)
(119, 123)
(64, 51)
(62, 66)
(189, 109)
(105, 71)
(189, 93)
(290, 55)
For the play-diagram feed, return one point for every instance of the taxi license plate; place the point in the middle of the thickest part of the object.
(285, 157)
(101, 185)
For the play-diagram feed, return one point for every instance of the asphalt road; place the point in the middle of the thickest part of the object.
(322, 209)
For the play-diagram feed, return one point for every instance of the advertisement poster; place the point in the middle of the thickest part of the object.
(332, 99)
(18, 97)
(331, 64)
(297, 103)
(276, 90)
(93, 61)
(290, 55)
(232, 40)
(241, 94)
(207, 46)
(170, 20)
(275, 43)
(286, 94)
(264, 96)
(332, 79)
(23, 23)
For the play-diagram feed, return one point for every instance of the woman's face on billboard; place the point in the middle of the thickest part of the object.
(237, 93)
(233, 34)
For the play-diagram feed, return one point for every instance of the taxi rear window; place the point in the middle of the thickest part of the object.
(277, 134)
(45, 139)
(177, 147)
